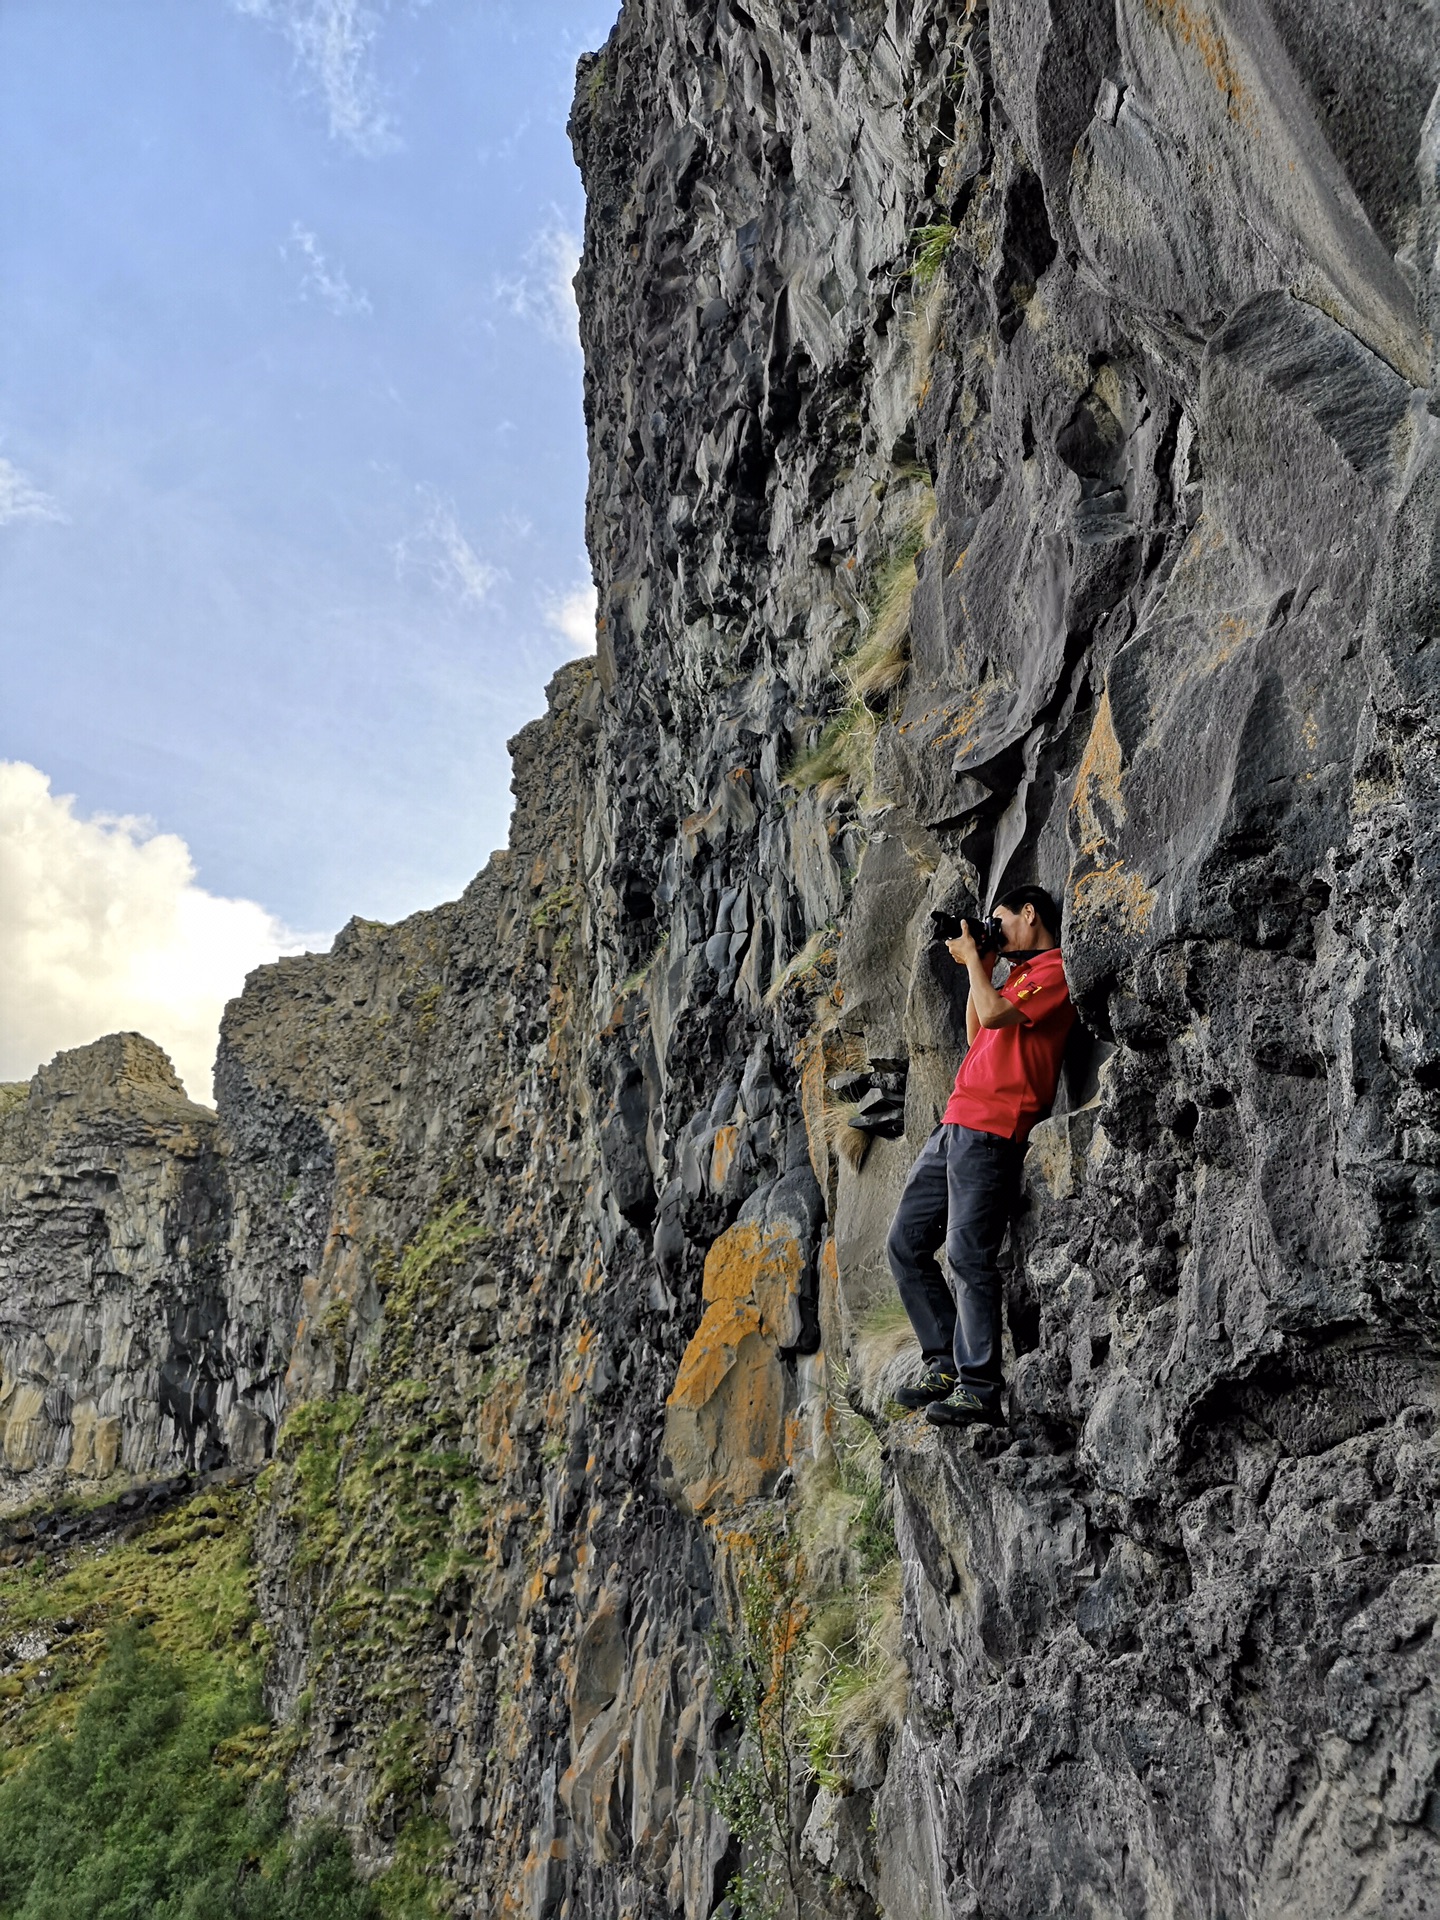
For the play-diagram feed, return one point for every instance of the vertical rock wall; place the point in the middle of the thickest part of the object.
(114, 1214)
(1012, 458)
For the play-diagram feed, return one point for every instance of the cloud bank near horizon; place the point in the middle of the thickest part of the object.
(103, 929)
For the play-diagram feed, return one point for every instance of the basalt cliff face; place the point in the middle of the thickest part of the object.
(1012, 457)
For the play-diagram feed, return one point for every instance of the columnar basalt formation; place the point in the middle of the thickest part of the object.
(113, 1224)
(1012, 457)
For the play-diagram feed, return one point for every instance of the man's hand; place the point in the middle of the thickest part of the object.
(986, 1006)
(962, 949)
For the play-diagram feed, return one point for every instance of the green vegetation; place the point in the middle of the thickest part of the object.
(415, 1287)
(557, 905)
(929, 246)
(186, 1578)
(756, 1669)
(855, 1683)
(427, 1003)
(166, 1801)
(811, 1665)
(12, 1093)
(385, 1511)
(138, 1774)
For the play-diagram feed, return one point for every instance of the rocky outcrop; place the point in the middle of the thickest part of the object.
(114, 1218)
(1012, 457)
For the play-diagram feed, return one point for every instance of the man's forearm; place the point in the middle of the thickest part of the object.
(986, 1005)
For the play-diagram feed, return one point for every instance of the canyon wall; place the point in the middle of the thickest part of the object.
(1012, 458)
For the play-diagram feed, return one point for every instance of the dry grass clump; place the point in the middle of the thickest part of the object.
(884, 1355)
(864, 1690)
(809, 960)
(852, 1143)
(844, 754)
(922, 333)
(855, 1682)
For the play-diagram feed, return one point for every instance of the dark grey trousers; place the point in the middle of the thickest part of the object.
(960, 1194)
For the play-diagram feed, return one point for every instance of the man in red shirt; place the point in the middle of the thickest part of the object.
(962, 1190)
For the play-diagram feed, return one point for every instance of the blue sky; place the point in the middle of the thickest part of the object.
(294, 466)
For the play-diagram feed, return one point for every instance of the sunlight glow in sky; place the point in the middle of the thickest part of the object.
(292, 462)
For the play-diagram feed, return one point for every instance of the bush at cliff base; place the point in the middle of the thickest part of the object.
(146, 1810)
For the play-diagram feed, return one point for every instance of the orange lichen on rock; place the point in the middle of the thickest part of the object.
(1098, 781)
(725, 1417)
(1194, 28)
(1113, 889)
(722, 1157)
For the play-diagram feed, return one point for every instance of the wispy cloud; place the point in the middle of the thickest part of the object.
(21, 499)
(572, 616)
(333, 42)
(439, 551)
(103, 928)
(321, 280)
(543, 292)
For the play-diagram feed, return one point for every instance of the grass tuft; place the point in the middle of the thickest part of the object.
(930, 246)
(884, 1355)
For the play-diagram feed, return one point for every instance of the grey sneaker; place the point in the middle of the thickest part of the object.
(934, 1384)
(963, 1409)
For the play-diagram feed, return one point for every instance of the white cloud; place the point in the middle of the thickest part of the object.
(572, 615)
(543, 292)
(103, 929)
(21, 499)
(326, 283)
(334, 41)
(439, 550)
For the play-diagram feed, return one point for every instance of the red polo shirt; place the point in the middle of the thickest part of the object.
(1007, 1080)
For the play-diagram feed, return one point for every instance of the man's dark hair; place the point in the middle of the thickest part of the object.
(1046, 910)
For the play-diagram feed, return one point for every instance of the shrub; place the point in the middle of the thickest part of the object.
(151, 1807)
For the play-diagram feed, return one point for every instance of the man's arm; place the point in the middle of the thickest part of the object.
(987, 1006)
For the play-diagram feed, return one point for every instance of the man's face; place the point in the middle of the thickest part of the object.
(1019, 928)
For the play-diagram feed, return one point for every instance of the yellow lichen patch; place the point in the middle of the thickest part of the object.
(752, 1275)
(712, 1353)
(830, 1270)
(1114, 890)
(1097, 782)
(722, 1157)
(593, 1278)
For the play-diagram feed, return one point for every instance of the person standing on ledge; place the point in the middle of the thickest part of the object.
(962, 1190)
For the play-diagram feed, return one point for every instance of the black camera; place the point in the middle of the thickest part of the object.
(988, 933)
